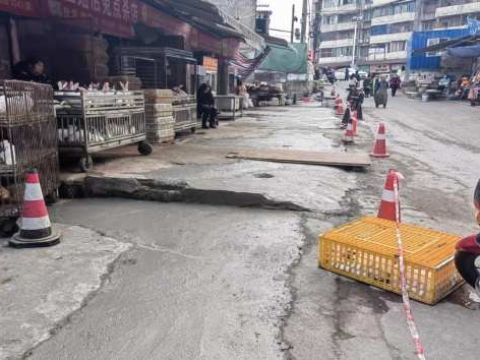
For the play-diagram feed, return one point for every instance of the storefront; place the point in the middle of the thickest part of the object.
(209, 69)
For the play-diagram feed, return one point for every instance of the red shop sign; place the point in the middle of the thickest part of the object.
(20, 7)
(115, 17)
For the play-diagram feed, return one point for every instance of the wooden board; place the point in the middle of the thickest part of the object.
(341, 159)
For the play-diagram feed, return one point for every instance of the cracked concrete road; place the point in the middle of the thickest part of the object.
(433, 145)
(217, 282)
(201, 282)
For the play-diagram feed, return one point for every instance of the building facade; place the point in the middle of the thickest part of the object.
(374, 34)
(241, 14)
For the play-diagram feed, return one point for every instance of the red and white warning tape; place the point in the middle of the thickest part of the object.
(420, 351)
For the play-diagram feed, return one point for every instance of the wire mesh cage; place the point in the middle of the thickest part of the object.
(28, 139)
(89, 122)
(185, 112)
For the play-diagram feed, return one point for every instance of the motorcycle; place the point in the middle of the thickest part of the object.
(467, 256)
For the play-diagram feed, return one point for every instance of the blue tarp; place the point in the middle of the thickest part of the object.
(465, 51)
(421, 39)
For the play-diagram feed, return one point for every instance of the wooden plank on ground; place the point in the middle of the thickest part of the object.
(340, 159)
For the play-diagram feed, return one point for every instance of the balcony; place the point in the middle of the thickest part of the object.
(391, 19)
(340, 8)
(335, 60)
(336, 43)
(377, 3)
(386, 38)
(337, 27)
(458, 9)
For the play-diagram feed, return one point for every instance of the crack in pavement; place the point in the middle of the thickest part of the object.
(350, 208)
(104, 279)
(164, 191)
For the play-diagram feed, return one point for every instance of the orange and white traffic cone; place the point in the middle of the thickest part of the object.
(355, 123)
(388, 203)
(380, 147)
(35, 227)
(348, 136)
(338, 100)
(340, 108)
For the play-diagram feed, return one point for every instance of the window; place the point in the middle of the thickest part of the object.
(326, 53)
(397, 46)
(428, 25)
(328, 20)
(394, 9)
(330, 3)
(435, 41)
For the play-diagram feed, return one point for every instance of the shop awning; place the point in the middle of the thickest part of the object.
(465, 51)
(199, 22)
(459, 42)
(201, 14)
(291, 59)
(245, 66)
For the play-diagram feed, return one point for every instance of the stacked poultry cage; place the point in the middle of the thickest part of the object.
(28, 140)
(93, 121)
(185, 112)
(159, 116)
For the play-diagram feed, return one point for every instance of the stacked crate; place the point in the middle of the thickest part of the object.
(159, 116)
(82, 58)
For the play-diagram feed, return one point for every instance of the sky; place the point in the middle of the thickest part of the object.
(282, 14)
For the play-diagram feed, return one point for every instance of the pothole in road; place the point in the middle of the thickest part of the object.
(263, 176)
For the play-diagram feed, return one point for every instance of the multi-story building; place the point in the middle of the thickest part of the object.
(375, 33)
(241, 14)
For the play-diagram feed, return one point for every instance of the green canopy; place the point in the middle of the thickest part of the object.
(291, 59)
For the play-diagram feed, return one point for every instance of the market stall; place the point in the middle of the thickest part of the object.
(27, 140)
(164, 68)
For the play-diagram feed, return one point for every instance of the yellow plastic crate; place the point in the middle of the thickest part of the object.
(366, 250)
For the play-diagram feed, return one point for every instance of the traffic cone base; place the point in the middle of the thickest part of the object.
(35, 227)
(19, 241)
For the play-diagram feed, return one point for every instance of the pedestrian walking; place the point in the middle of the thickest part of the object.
(381, 94)
(367, 86)
(374, 83)
(347, 74)
(395, 83)
(353, 83)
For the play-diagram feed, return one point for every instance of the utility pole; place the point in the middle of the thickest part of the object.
(417, 25)
(304, 21)
(293, 24)
(354, 50)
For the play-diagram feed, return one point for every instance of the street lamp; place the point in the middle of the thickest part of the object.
(357, 19)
